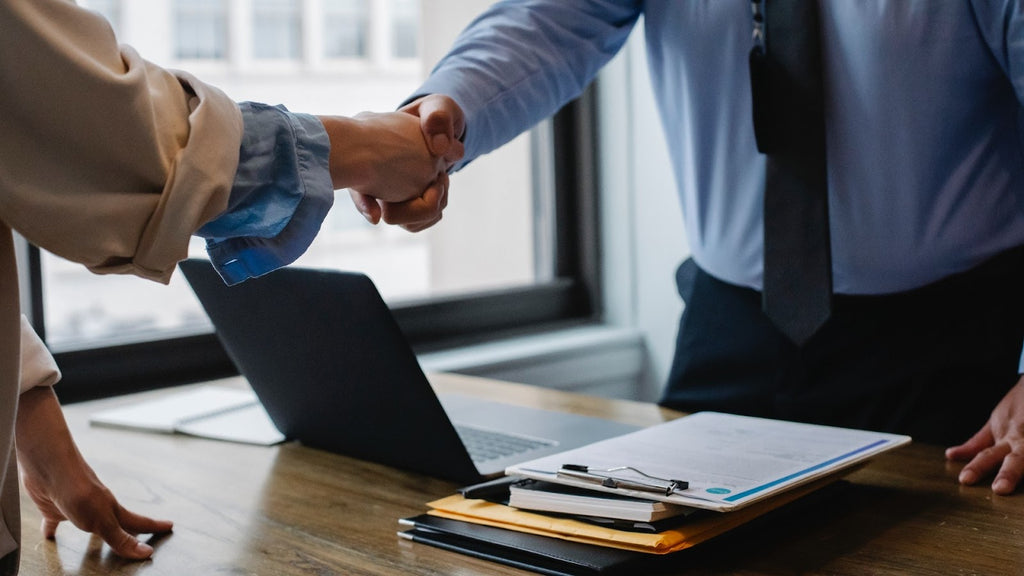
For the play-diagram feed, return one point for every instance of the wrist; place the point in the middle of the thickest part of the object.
(349, 161)
(42, 436)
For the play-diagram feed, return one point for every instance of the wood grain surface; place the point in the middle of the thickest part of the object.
(291, 510)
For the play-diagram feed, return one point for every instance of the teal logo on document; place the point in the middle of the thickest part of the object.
(718, 490)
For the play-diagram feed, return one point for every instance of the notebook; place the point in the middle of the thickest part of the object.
(333, 370)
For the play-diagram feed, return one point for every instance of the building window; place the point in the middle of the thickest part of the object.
(346, 25)
(405, 28)
(502, 260)
(201, 29)
(276, 29)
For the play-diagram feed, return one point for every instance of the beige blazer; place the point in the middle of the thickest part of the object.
(105, 159)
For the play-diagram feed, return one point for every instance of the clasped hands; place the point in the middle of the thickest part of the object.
(396, 164)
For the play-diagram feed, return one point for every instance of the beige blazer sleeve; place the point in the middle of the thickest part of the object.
(106, 159)
(38, 367)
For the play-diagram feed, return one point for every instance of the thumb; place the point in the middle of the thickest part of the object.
(443, 124)
(367, 206)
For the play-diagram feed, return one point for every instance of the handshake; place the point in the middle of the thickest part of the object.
(396, 164)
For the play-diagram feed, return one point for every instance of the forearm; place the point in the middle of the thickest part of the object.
(64, 486)
(110, 160)
(44, 444)
(503, 87)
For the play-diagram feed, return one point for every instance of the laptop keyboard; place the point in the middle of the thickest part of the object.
(484, 445)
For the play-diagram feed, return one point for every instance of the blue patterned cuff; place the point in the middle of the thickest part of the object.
(281, 194)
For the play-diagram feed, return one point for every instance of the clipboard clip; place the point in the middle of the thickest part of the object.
(607, 478)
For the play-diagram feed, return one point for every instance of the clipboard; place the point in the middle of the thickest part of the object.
(726, 461)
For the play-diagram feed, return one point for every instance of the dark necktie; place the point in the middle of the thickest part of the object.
(789, 124)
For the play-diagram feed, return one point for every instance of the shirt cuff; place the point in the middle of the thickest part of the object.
(38, 367)
(281, 194)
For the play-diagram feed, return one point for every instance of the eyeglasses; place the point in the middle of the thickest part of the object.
(607, 478)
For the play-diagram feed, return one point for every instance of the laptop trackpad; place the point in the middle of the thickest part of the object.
(550, 431)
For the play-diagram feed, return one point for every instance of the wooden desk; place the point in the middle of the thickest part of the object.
(291, 510)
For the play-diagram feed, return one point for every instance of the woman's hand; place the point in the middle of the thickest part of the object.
(64, 487)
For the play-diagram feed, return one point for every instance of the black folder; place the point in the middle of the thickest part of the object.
(539, 554)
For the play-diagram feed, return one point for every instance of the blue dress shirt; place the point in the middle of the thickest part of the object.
(923, 112)
(281, 194)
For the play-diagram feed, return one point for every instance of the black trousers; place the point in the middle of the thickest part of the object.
(931, 362)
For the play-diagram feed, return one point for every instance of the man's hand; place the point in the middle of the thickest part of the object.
(63, 485)
(998, 447)
(442, 125)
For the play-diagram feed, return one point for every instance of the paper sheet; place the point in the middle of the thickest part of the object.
(216, 412)
(729, 461)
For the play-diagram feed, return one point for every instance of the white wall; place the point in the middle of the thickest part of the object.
(642, 225)
(479, 202)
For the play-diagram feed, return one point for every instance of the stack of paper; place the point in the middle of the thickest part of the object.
(733, 468)
(550, 497)
(727, 461)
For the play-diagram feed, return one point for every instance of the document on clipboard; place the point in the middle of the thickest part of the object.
(711, 460)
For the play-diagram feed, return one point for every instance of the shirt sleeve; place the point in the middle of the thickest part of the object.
(38, 367)
(114, 162)
(520, 61)
(1001, 22)
(281, 194)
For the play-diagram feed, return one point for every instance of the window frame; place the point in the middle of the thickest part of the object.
(571, 298)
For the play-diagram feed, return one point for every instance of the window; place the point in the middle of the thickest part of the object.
(346, 26)
(405, 28)
(276, 29)
(513, 253)
(201, 29)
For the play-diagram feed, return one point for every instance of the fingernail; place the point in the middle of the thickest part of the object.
(1002, 486)
(968, 477)
(439, 142)
(143, 549)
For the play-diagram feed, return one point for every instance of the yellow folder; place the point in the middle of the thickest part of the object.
(688, 534)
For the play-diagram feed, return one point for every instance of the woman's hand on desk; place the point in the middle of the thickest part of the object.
(998, 447)
(64, 486)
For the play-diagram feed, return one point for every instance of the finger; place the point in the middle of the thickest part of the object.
(124, 544)
(983, 464)
(425, 208)
(455, 153)
(438, 131)
(419, 227)
(443, 124)
(444, 183)
(139, 524)
(1010, 474)
(49, 528)
(367, 206)
(981, 440)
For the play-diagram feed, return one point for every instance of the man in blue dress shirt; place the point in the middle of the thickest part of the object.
(925, 157)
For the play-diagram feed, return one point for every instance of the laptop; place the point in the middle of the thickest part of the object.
(333, 370)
